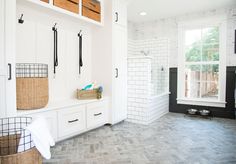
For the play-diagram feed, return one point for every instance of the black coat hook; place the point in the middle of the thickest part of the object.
(21, 21)
(79, 34)
(54, 27)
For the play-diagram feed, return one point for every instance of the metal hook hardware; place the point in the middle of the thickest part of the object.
(21, 21)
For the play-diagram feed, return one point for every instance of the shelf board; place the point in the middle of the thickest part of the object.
(51, 7)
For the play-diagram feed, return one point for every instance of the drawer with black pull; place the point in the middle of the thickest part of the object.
(70, 5)
(71, 121)
(97, 114)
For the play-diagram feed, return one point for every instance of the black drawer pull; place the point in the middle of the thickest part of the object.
(98, 114)
(73, 121)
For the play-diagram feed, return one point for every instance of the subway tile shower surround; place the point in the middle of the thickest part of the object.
(168, 28)
(147, 79)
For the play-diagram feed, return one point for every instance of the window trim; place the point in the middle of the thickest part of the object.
(201, 23)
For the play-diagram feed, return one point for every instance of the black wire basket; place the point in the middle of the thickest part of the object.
(31, 70)
(13, 137)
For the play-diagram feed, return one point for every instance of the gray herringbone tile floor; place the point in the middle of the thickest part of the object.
(173, 139)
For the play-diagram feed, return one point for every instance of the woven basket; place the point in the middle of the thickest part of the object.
(31, 156)
(11, 145)
(32, 93)
(13, 137)
(10, 156)
(88, 94)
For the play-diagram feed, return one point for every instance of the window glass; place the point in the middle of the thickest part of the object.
(202, 63)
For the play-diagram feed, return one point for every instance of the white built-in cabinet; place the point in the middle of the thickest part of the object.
(119, 61)
(74, 118)
(119, 80)
(7, 56)
(67, 119)
(34, 38)
(119, 12)
(110, 58)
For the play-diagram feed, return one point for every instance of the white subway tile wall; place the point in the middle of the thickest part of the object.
(147, 78)
(139, 77)
(157, 106)
(168, 28)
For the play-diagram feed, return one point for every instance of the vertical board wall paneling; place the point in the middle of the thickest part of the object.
(35, 44)
(26, 42)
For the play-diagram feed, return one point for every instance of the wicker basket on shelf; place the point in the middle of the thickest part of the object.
(88, 94)
(31, 86)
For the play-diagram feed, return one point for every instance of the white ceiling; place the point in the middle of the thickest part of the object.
(158, 9)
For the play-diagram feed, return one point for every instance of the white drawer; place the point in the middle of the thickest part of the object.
(97, 114)
(51, 118)
(71, 121)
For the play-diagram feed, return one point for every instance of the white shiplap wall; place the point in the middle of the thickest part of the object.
(34, 42)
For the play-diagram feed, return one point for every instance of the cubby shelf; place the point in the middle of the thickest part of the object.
(49, 6)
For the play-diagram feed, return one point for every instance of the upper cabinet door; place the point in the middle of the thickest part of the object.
(120, 12)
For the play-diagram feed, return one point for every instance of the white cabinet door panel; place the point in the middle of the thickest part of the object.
(71, 121)
(7, 58)
(2, 96)
(119, 97)
(120, 12)
(2, 63)
(2, 35)
(97, 114)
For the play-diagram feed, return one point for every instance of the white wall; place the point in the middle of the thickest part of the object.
(102, 51)
(35, 45)
(168, 28)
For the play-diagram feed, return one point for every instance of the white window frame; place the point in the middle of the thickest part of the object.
(201, 23)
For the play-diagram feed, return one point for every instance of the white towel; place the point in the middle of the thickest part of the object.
(41, 136)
